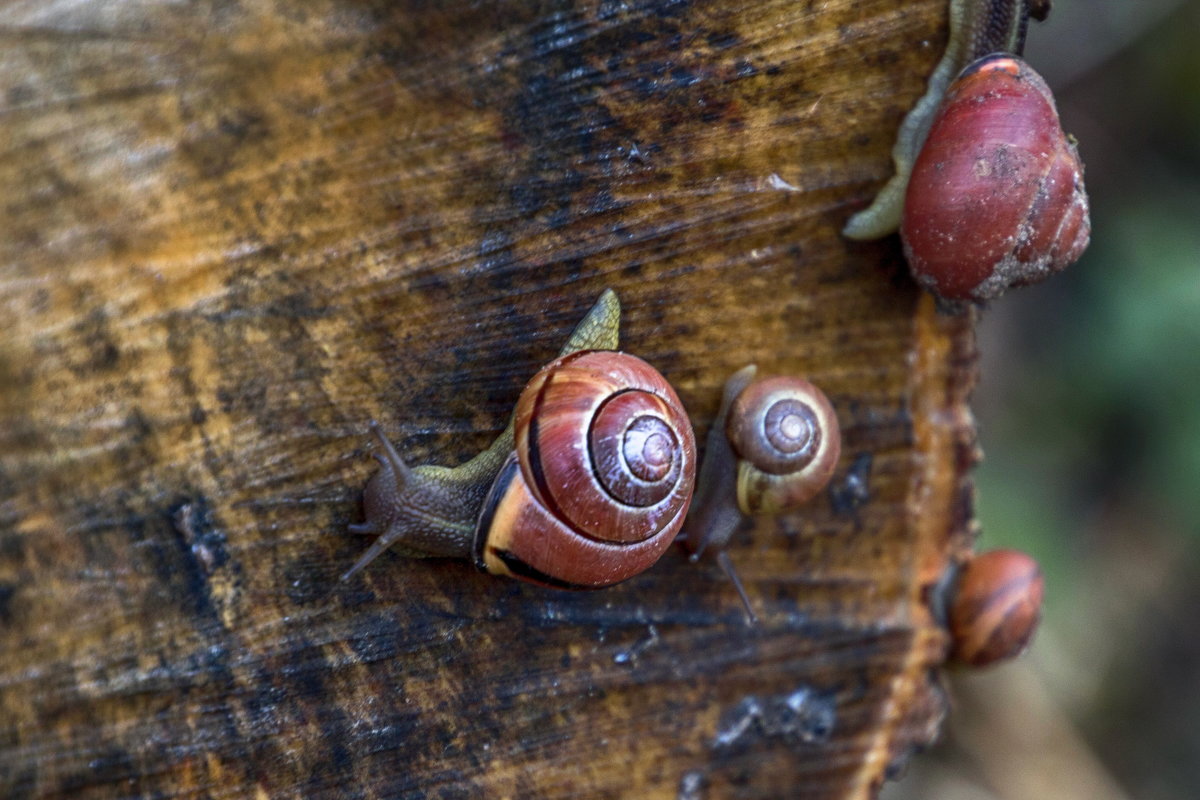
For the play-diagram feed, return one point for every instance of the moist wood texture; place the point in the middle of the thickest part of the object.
(235, 232)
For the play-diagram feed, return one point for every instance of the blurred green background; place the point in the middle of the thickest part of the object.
(1089, 416)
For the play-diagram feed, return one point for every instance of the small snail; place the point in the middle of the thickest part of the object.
(772, 447)
(994, 607)
(588, 485)
(977, 28)
(996, 196)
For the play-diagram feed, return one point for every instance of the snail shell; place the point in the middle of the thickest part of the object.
(785, 434)
(995, 607)
(996, 197)
(601, 478)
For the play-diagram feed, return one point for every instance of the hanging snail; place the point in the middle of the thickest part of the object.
(977, 28)
(773, 446)
(988, 191)
(588, 485)
(993, 606)
(996, 197)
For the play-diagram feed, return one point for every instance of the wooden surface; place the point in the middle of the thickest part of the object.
(235, 232)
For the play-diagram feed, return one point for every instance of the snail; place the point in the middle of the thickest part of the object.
(996, 196)
(977, 28)
(994, 605)
(772, 447)
(988, 191)
(587, 486)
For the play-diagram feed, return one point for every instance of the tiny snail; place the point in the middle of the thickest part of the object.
(772, 447)
(977, 28)
(587, 486)
(996, 197)
(994, 605)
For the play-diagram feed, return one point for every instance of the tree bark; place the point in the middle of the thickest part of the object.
(235, 232)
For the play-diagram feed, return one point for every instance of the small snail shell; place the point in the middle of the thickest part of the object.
(601, 479)
(994, 607)
(586, 487)
(996, 197)
(785, 434)
(773, 446)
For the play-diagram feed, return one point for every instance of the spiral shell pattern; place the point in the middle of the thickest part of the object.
(786, 435)
(606, 462)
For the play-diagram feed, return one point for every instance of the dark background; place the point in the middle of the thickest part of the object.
(1089, 415)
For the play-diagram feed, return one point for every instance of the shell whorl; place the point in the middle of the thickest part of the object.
(600, 480)
(785, 434)
(602, 438)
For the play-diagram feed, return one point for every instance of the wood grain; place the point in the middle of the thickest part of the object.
(235, 232)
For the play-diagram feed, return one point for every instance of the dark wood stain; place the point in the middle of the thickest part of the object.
(237, 232)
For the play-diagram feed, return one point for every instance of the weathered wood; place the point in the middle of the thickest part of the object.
(233, 233)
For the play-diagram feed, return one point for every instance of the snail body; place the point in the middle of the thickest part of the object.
(996, 197)
(977, 28)
(994, 607)
(587, 486)
(773, 446)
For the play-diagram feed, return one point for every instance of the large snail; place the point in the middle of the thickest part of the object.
(996, 197)
(773, 446)
(977, 28)
(993, 608)
(988, 191)
(588, 486)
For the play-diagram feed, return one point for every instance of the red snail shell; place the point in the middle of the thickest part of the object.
(601, 479)
(977, 28)
(996, 197)
(995, 607)
(785, 434)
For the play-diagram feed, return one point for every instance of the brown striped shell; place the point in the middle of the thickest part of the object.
(785, 434)
(995, 607)
(601, 478)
